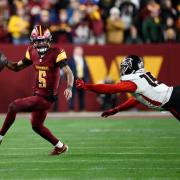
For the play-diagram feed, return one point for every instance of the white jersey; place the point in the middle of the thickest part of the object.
(149, 92)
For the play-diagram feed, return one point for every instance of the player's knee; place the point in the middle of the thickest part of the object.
(12, 107)
(36, 128)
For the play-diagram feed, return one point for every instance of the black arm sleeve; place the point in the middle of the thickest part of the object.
(27, 61)
(62, 63)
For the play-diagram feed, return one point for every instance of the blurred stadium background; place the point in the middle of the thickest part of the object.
(143, 146)
(107, 30)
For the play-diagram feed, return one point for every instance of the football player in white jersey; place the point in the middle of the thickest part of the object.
(142, 85)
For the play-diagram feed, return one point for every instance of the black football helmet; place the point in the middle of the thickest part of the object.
(131, 64)
(41, 38)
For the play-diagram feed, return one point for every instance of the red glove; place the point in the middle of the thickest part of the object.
(80, 84)
(109, 112)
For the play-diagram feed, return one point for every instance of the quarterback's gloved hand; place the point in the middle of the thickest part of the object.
(109, 112)
(80, 84)
(3, 61)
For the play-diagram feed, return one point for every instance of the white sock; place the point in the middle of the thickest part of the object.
(59, 144)
(1, 137)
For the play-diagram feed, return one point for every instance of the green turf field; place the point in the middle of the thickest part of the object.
(99, 149)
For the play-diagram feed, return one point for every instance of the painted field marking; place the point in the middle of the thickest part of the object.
(87, 169)
(113, 153)
(95, 147)
(85, 160)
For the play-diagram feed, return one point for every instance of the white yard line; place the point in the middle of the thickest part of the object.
(84, 160)
(87, 169)
(59, 161)
(92, 147)
(113, 153)
(127, 114)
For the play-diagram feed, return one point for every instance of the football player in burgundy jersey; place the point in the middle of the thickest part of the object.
(47, 62)
(142, 85)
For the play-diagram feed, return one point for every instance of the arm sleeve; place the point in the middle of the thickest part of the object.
(62, 63)
(124, 86)
(127, 104)
(27, 59)
(26, 62)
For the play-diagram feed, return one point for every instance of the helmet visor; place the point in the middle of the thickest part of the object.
(125, 65)
(123, 69)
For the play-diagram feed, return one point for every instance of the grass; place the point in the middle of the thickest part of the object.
(108, 149)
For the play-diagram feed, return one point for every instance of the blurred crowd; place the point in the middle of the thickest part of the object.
(92, 21)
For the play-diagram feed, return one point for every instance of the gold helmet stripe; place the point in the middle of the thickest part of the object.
(40, 30)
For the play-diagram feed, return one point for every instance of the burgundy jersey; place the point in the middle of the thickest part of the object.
(47, 69)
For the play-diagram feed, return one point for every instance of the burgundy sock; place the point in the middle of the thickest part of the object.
(46, 134)
(10, 118)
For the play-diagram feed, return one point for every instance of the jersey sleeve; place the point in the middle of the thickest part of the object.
(61, 59)
(27, 58)
(130, 103)
(123, 86)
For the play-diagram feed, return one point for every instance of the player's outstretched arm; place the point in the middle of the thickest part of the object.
(125, 106)
(70, 81)
(14, 66)
(124, 86)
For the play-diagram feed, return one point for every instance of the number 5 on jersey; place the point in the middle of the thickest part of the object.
(42, 80)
